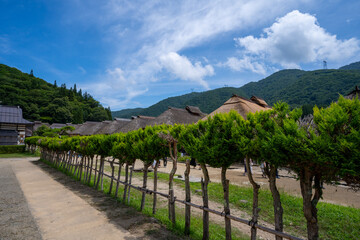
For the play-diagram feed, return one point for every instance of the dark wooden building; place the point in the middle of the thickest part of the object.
(12, 125)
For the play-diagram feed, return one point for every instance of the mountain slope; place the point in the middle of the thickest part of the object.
(199, 99)
(352, 66)
(296, 87)
(41, 100)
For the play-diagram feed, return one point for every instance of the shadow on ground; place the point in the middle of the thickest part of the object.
(118, 214)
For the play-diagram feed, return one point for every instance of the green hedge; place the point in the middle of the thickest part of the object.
(12, 149)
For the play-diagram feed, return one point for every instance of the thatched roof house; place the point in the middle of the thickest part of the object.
(179, 115)
(88, 128)
(242, 106)
(114, 126)
(136, 123)
(354, 93)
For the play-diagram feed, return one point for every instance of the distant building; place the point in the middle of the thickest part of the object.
(12, 125)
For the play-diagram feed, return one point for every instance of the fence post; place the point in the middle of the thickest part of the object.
(187, 198)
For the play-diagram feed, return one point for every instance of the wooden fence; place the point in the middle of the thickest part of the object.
(76, 166)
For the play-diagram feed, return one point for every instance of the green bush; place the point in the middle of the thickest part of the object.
(12, 149)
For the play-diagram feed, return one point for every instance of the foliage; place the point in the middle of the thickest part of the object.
(46, 131)
(5, 149)
(43, 101)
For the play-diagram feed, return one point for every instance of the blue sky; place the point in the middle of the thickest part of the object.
(135, 53)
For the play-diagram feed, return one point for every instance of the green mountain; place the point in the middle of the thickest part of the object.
(352, 66)
(47, 102)
(296, 87)
(206, 101)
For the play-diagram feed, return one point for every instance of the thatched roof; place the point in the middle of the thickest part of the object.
(88, 128)
(136, 123)
(57, 125)
(178, 115)
(114, 126)
(242, 106)
(38, 124)
(354, 93)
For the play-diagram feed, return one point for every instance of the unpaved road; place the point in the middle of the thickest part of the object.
(38, 202)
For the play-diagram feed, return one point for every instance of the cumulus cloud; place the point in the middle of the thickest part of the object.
(245, 64)
(116, 89)
(297, 38)
(182, 68)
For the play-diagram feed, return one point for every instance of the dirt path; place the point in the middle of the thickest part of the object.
(16, 221)
(65, 209)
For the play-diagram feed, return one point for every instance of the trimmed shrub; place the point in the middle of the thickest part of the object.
(12, 149)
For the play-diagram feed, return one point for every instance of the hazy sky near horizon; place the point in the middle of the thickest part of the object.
(131, 54)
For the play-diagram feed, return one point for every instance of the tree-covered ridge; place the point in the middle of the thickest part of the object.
(47, 102)
(351, 66)
(207, 102)
(296, 87)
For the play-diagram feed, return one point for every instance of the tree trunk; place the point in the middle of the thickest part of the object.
(155, 186)
(118, 179)
(128, 191)
(126, 187)
(96, 174)
(255, 209)
(278, 210)
(204, 190)
(225, 184)
(112, 175)
(309, 204)
(173, 155)
(187, 198)
(91, 166)
(146, 168)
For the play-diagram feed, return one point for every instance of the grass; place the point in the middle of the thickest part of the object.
(335, 221)
(217, 231)
(19, 155)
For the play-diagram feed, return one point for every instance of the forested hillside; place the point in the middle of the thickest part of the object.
(206, 101)
(296, 87)
(352, 66)
(47, 102)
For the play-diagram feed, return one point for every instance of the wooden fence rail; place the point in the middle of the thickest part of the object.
(76, 165)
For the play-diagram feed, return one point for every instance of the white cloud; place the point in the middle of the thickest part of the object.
(245, 64)
(115, 90)
(297, 38)
(182, 68)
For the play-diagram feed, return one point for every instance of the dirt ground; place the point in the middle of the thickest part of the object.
(43, 203)
(287, 182)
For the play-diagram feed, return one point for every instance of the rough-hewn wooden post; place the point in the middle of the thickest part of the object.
(225, 184)
(102, 173)
(146, 168)
(155, 186)
(126, 187)
(112, 174)
(128, 191)
(205, 197)
(187, 197)
(99, 172)
(91, 168)
(255, 209)
(118, 179)
(173, 155)
(96, 174)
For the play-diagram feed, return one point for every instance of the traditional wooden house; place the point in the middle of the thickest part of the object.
(88, 128)
(173, 115)
(12, 125)
(114, 126)
(242, 105)
(136, 123)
